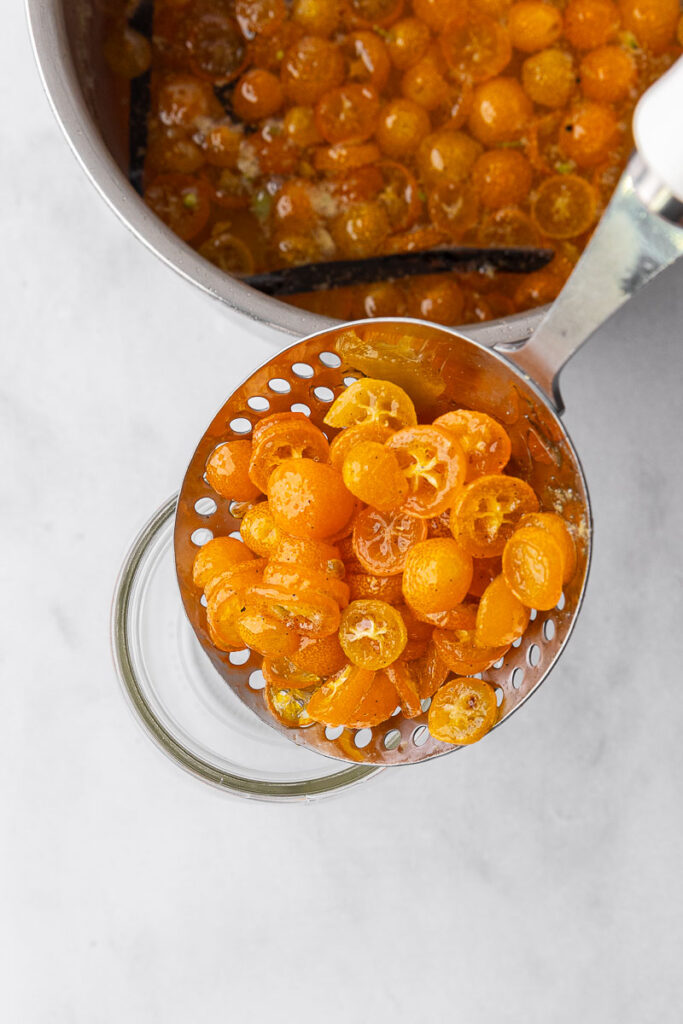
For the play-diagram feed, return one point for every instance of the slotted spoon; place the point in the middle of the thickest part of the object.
(640, 234)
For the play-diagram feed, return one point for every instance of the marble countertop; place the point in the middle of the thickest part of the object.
(535, 877)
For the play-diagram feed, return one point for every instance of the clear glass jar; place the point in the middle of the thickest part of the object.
(182, 702)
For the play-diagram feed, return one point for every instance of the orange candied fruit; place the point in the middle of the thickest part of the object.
(501, 616)
(501, 177)
(309, 499)
(257, 94)
(360, 230)
(608, 74)
(317, 17)
(591, 23)
(435, 297)
(228, 471)
(260, 17)
(534, 25)
(348, 113)
(407, 42)
(463, 711)
(437, 575)
(310, 68)
(215, 557)
(373, 13)
(588, 133)
(446, 156)
(565, 206)
(372, 634)
(367, 59)
(402, 126)
(653, 22)
(424, 83)
(500, 111)
(436, 14)
(477, 50)
(372, 473)
(549, 78)
(533, 567)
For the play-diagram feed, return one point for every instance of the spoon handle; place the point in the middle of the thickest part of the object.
(639, 235)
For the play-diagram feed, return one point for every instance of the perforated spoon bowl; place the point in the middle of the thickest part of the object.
(639, 235)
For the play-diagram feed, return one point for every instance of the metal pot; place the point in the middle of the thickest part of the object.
(67, 38)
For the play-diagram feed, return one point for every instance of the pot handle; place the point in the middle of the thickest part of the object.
(639, 235)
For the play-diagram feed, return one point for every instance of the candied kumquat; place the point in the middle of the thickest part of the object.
(401, 127)
(348, 113)
(296, 578)
(549, 78)
(501, 616)
(341, 445)
(308, 554)
(380, 588)
(265, 634)
(378, 704)
(225, 600)
(369, 400)
(258, 529)
(477, 50)
(533, 567)
(534, 25)
(652, 22)
(558, 528)
(434, 465)
(311, 67)
(320, 656)
(437, 575)
(608, 74)
(484, 441)
(382, 539)
(500, 111)
(373, 474)
(463, 711)
(430, 671)
(407, 41)
(501, 177)
(181, 202)
(216, 556)
(565, 206)
(372, 634)
(487, 511)
(335, 702)
(281, 672)
(289, 706)
(404, 681)
(301, 609)
(228, 471)
(308, 499)
(591, 23)
(279, 442)
(459, 650)
(588, 133)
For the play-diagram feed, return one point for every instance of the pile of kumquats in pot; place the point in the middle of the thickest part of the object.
(284, 133)
(385, 568)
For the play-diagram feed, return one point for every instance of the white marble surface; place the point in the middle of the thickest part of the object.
(536, 877)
